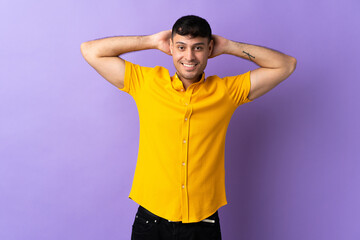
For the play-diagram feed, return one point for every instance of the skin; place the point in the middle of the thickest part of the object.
(190, 56)
(274, 67)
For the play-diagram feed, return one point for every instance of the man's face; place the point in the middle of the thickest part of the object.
(190, 56)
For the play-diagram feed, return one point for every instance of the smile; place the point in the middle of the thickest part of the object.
(189, 65)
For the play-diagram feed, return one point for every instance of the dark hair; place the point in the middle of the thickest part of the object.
(192, 25)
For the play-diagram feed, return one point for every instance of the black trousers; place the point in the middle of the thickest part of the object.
(148, 226)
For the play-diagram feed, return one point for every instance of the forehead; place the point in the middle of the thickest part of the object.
(189, 40)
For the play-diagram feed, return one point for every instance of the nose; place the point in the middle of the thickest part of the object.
(189, 55)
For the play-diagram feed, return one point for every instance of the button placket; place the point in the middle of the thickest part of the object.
(185, 150)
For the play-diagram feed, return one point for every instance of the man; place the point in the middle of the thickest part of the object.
(179, 180)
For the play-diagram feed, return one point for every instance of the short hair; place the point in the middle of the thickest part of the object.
(192, 25)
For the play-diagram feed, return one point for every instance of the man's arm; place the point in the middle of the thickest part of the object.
(103, 54)
(275, 67)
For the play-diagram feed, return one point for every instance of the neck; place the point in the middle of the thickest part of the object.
(188, 82)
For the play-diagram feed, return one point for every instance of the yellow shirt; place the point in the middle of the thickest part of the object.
(180, 173)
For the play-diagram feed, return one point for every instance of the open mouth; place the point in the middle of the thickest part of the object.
(189, 66)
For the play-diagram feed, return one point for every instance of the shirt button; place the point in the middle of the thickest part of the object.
(185, 119)
(182, 90)
(183, 164)
(184, 141)
(183, 186)
(186, 103)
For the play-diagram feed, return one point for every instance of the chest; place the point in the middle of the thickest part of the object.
(207, 103)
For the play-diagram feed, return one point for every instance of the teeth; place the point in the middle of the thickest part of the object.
(188, 65)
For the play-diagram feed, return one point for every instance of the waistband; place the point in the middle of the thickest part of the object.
(144, 210)
(211, 219)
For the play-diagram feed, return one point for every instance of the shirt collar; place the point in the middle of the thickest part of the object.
(178, 85)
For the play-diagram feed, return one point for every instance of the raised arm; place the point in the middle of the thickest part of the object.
(103, 54)
(275, 67)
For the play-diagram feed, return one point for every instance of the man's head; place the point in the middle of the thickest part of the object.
(193, 26)
(191, 45)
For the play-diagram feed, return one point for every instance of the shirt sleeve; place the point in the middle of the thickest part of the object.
(134, 78)
(238, 88)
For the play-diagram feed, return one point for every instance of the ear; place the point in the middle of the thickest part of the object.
(211, 47)
(171, 46)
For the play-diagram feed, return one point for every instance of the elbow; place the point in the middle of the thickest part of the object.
(289, 66)
(84, 49)
(292, 64)
(88, 51)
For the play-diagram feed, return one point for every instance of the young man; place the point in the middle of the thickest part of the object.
(179, 180)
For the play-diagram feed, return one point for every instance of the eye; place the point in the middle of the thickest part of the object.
(198, 48)
(181, 48)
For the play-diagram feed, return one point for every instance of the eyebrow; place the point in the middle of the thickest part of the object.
(193, 44)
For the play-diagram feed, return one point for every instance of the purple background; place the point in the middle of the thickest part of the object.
(69, 139)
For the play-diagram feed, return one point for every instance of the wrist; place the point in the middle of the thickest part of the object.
(231, 47)
(147, 42)
(150, 41)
